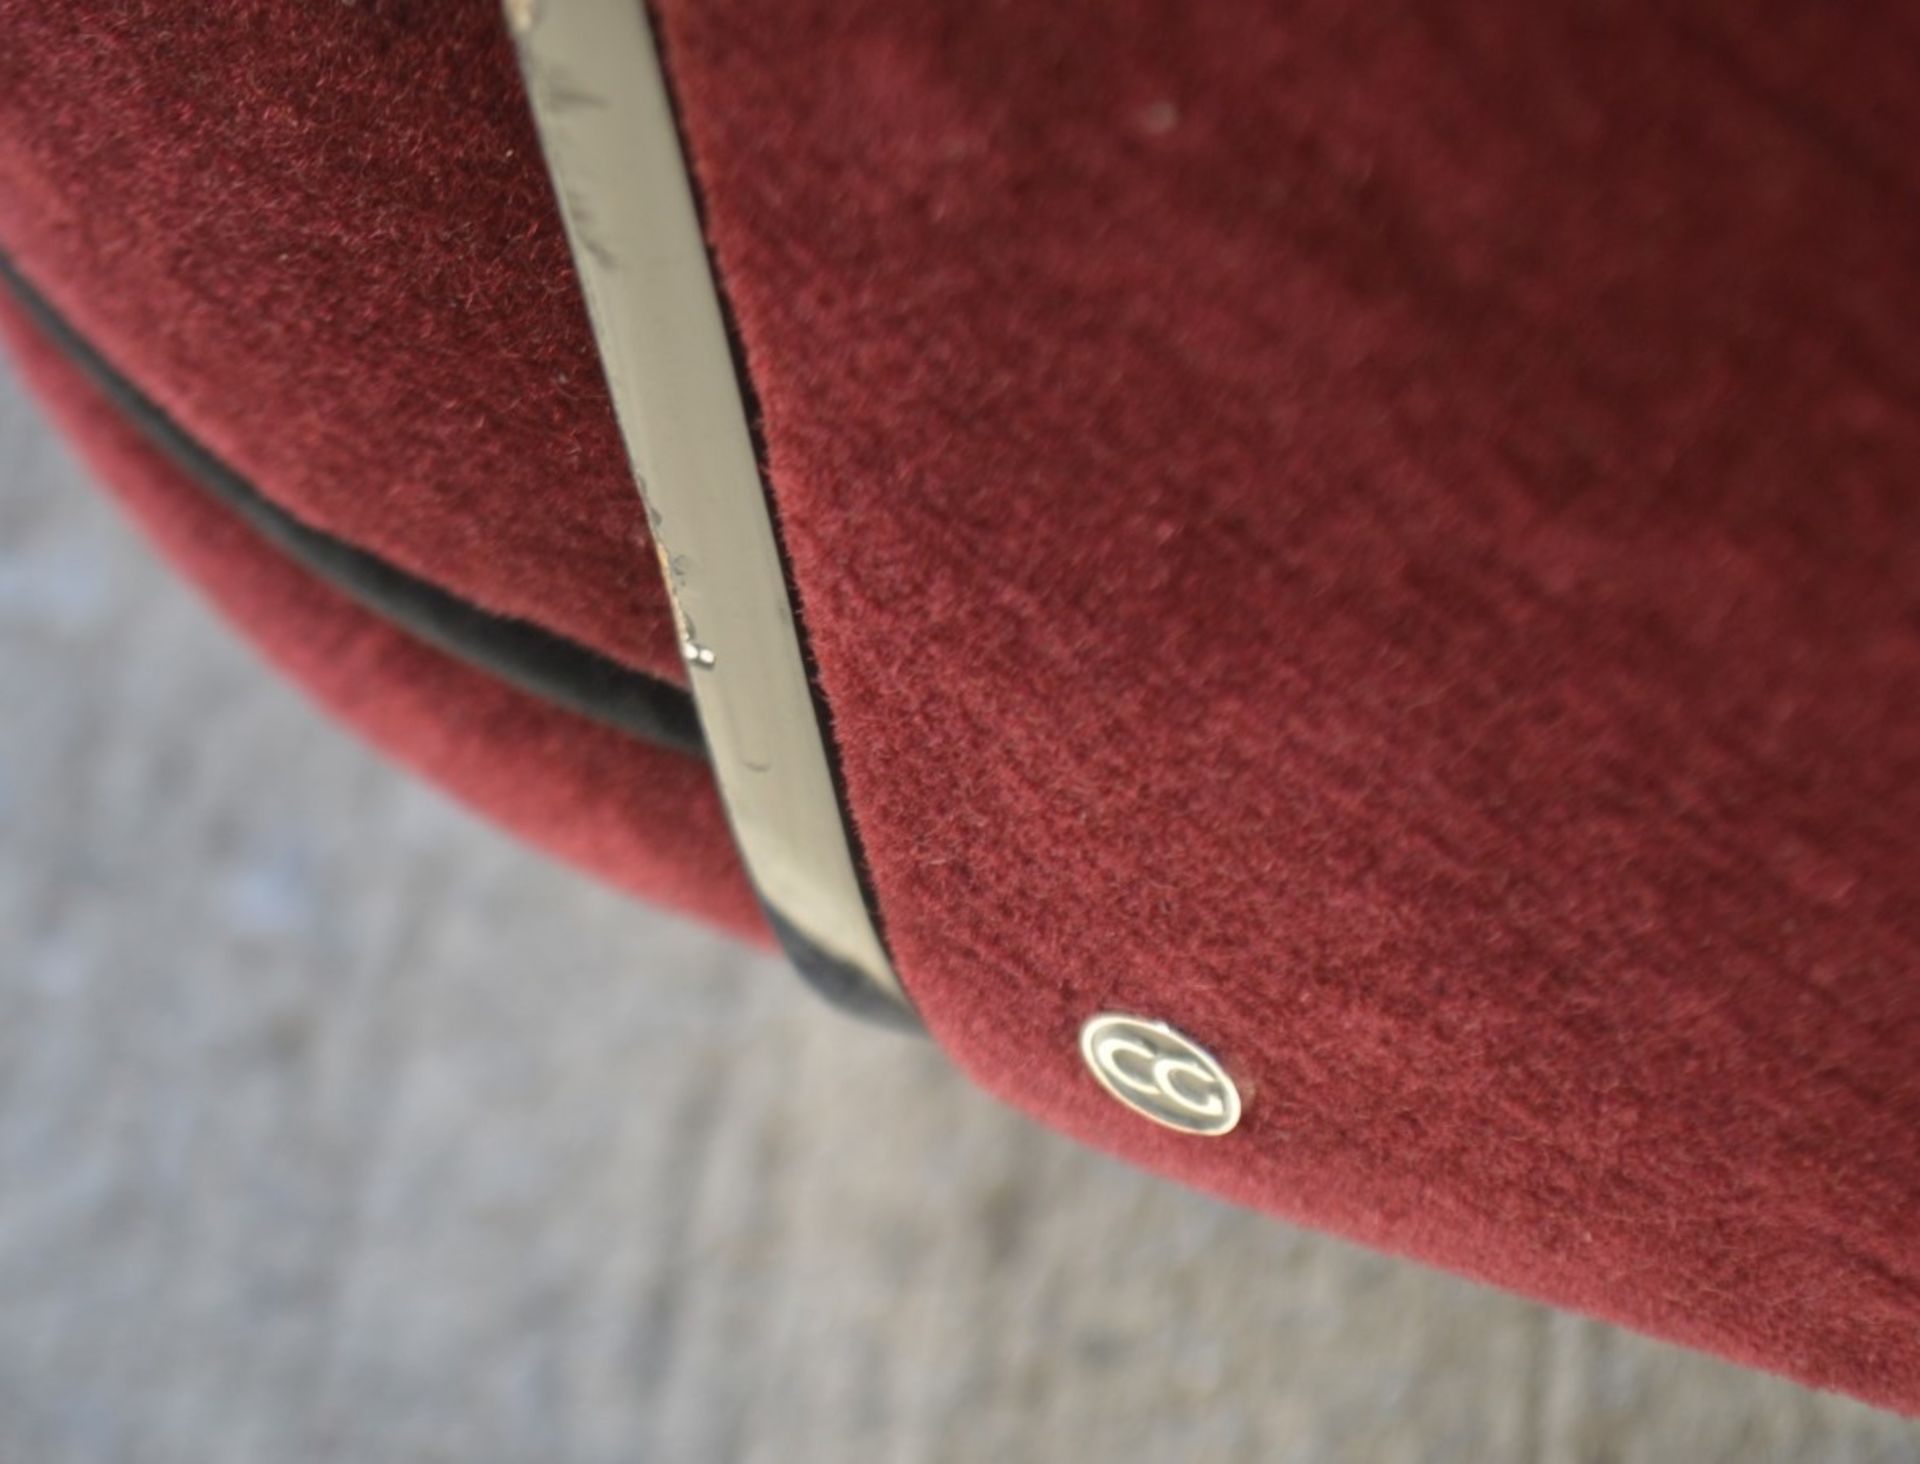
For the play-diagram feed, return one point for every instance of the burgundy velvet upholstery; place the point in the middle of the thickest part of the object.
(320, 238)
(1386, 538)
(644, 818)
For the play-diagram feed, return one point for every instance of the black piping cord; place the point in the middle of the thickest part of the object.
(537, 661)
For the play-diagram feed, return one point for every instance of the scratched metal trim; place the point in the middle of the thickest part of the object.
(606, 125)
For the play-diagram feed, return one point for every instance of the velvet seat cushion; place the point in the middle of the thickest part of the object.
(1386, 539)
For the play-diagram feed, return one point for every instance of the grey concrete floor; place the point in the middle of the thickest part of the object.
(335, 1126)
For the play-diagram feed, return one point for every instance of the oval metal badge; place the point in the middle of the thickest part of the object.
(1160, 1074)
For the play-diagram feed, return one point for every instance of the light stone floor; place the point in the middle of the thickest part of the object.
(334, 1126)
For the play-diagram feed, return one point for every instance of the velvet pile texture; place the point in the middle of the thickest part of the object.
(645, 818)
(1386, 538)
